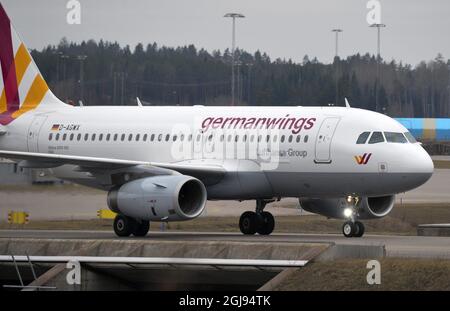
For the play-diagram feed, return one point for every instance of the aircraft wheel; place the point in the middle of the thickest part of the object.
(349, 229)
(248, 223)
(266, 223)
(359, 229)
(142, 228)
(124, 226)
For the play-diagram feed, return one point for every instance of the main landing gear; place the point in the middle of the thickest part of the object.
(257, 222)
(125, 226)
(352, 227)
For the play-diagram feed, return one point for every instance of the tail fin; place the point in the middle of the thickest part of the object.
(21, 84)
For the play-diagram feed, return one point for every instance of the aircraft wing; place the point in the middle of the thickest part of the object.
(207, 173)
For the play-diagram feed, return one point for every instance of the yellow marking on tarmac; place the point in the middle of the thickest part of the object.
(106, 214)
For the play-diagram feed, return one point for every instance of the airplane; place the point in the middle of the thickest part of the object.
(164, 163)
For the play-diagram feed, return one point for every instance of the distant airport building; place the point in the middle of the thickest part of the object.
(428, 130)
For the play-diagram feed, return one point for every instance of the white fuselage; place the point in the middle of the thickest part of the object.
(266, 151)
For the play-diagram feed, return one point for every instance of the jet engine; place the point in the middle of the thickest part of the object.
(159, 198)
(366, 207)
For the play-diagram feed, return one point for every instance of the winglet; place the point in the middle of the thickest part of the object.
(347, 104)
(139, 102)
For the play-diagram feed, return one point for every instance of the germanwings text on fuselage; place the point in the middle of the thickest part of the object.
(292, 123)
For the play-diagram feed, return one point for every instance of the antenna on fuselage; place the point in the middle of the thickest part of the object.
(347, 104)
(139, 102)
(80, 103)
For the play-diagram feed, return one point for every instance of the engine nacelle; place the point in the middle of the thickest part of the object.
(160, 198)
(367, 207)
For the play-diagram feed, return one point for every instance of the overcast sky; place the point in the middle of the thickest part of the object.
(416, 29)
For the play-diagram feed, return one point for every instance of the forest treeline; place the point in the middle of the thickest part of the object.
(104, 73)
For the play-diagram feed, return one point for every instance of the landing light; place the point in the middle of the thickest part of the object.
(348, 212)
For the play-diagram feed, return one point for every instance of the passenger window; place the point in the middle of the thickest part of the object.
(152, 138)
(100, 137)
(244, 139)
(362, 139)
(50, 136)
(282, 138)
(410, 138)
(167, 137)
(174, 138)
(93, 137)
(130, 137)
(190, 137)
(398, 138)
(298, 138)
(108, 137)
(275, 138)
(252, 138)
(290, 138)
(144, 138)
(122, 138)
(182, 137)
(115, 137)
(86, 137)
(138, 136)
(377, 137)
(305, 139)
(72, 136)
(79, 137)
(229, 137)
(64, 137)
(236, 138)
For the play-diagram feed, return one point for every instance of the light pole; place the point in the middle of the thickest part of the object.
(336, 59)
(82, 58)
(233, 46)
(249, 82)
(378, 26)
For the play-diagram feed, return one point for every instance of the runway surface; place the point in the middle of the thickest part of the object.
(396, 246)
(74, 202)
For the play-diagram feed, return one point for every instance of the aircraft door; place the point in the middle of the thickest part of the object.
(323, 140)
(33, 133)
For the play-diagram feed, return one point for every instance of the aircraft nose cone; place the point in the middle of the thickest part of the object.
(423, 166)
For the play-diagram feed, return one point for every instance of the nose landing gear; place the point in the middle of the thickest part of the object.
(259, 221)
(352, 227)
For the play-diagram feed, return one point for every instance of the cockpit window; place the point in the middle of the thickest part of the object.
(411, 138)
(398, 138)
(363, 138)
(377, 137)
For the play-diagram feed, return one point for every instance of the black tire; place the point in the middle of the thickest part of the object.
(359, 229)
(142, 228)
(248, 223)
(266, 223)
(348, 229)
(124, 226)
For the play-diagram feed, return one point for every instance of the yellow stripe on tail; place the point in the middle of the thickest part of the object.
(34, 97)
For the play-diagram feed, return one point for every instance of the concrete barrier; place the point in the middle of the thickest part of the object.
(433, 230)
